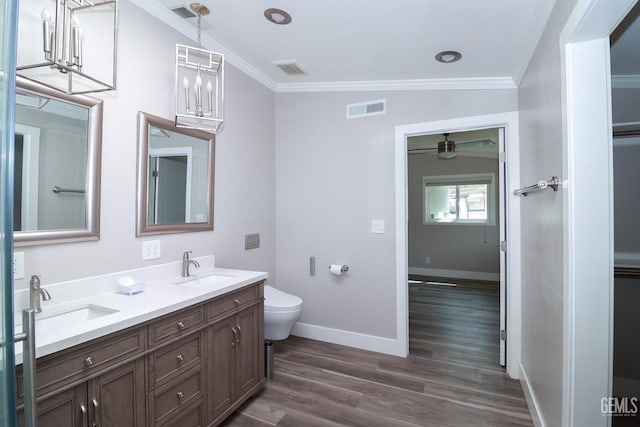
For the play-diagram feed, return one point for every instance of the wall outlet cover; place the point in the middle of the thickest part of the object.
(150, 249)
(377, 226)
(251, 241)
(18, 265)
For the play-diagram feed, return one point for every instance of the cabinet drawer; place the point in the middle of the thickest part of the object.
(176, 395)
(187, 417)
(175, 325)
(64, 367)
(171, 361)
(229, 304)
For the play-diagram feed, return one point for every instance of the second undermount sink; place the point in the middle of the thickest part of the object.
(203, 280)
(76, 315)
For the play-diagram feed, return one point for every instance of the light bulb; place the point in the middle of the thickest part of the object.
(209, 86)
(198, 81)
(45, 15)
(75, 22)
(185, 83)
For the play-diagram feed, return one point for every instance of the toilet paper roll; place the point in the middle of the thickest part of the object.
(338, 269)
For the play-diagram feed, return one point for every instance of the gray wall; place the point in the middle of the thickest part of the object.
(540, 106)
(471, 248)
(244, 175)
(626, 158)
(333, 176)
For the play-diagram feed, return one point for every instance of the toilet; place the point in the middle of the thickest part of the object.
(281, 312)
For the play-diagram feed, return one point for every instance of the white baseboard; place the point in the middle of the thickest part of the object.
(349, 339)
(455, 274)
(532, 402)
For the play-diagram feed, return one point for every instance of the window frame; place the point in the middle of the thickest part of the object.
(457, 180)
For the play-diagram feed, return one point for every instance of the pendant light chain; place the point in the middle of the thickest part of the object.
(199, 32)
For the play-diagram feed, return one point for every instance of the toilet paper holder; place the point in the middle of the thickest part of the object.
(343, 268)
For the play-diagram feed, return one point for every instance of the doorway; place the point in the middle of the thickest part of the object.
(509, 122)
(455, 226)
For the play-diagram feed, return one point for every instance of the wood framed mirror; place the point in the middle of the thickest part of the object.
(57, 162)
(175, 177)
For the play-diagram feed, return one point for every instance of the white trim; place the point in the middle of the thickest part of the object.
(455, 274)
(510, 122)
(588, 253)
(348, 338)
(415, 84)
(625, 81)
(532, 401)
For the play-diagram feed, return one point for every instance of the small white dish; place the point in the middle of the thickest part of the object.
(130, 286)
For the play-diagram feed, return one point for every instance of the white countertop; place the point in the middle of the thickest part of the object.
(161, 296)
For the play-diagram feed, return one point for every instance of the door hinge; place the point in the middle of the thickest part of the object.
(154, 174)
(503, 246)
(502, 157)
(503, 334)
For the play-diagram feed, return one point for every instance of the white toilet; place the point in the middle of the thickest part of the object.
(281, 312)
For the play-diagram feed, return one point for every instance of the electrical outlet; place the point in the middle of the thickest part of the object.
(427, 260)
(150, 249)
(377, 226)
(18, 265)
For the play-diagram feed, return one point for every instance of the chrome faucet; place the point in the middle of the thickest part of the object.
(36, 293)
(186, 262)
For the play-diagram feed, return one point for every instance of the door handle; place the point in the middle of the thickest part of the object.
(235, 336)
(96, 413)
(28, 335)
(83, 410)
(239, 334)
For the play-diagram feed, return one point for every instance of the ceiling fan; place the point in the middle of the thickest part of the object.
(447, 148)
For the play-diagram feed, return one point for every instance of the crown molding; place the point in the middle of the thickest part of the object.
(182, 26)
(625, 81)
(395, 85)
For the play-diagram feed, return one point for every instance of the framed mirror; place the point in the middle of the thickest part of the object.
(175, 177)
(58, 145)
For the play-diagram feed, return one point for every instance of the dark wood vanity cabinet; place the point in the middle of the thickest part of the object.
(190, 368)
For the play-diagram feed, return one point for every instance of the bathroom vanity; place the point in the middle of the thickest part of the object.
(192, 357)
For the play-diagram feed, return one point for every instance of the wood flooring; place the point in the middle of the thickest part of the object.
(451, 378)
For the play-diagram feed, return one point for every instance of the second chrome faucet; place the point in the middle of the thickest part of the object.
(186, 262)
(37, 294)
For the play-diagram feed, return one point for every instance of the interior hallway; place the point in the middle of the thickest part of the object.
(452, 381)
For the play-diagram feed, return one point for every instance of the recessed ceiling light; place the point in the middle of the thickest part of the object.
(448, 56)
(277, 16)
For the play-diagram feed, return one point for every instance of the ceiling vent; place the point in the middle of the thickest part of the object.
(289, 67)
(183, 12)
(369, 108)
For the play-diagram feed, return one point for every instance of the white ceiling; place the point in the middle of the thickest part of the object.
(383, 42)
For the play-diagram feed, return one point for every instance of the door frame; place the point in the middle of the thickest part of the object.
(508, 121)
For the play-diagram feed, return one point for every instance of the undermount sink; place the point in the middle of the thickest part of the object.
(203, 280)
(77, 315)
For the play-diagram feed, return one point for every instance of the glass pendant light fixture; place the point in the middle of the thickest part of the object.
(199, 89)
(68, 45)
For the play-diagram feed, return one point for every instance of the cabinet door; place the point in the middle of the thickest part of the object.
(219, 362)
(117, 398)
(65, 409)
(249, 344)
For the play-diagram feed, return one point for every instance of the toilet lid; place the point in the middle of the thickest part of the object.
(275, 299)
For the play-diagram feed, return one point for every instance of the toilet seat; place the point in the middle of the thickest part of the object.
(276, 300)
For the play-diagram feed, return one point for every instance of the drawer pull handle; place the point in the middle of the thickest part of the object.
(236, 301)
(88, 361)
(180, 395)
(180, 325)
(180, 358)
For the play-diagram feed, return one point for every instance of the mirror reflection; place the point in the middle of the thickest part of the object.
(175, 177)
(56, 166)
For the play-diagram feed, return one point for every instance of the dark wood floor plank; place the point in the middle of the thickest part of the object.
(451, 378)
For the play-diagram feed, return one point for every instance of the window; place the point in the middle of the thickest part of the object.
(459, 199)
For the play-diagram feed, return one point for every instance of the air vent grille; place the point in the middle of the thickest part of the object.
(183, 12)
(289, 67)
(369, 108)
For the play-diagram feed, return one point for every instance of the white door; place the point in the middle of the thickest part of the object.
(502, 198)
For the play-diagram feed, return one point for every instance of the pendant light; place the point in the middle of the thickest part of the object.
(199, 86)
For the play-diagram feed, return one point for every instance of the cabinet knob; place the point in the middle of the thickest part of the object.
(180, 358)
(88, 361)
(180, 325)
(180, 395)
(236, 301)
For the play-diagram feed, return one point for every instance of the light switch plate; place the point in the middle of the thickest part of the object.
(251, 241)
(150, 249)
(18, 265)
(377, 226)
